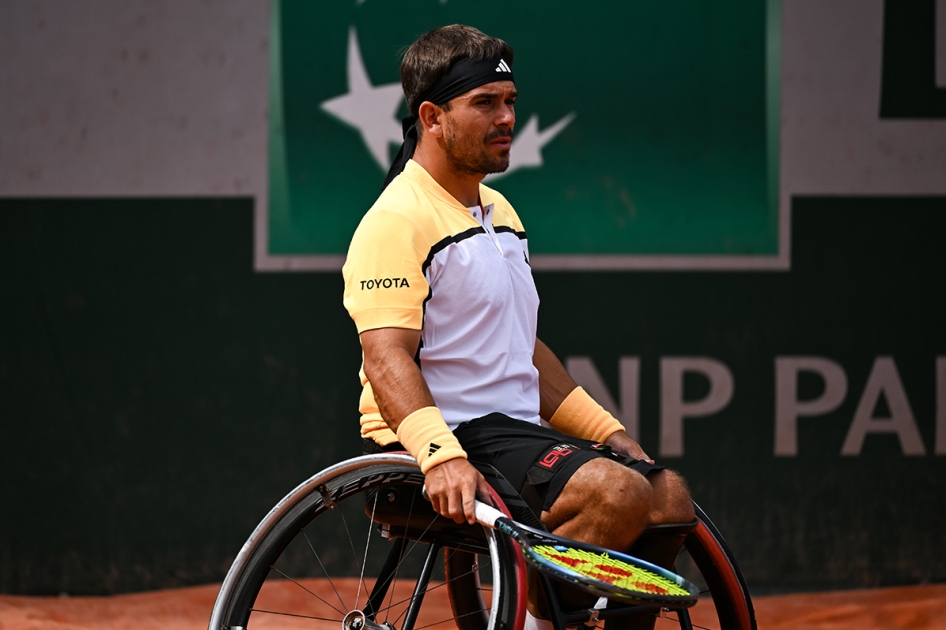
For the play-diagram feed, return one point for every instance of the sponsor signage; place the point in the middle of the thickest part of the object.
(642, 139)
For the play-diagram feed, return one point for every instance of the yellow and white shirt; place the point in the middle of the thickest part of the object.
(420, 260)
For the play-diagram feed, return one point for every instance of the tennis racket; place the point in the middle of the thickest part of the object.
(599, 571)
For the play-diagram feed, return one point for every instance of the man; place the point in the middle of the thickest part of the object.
(439, 285)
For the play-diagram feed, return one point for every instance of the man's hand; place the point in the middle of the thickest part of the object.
(452, 486)
(620, 442)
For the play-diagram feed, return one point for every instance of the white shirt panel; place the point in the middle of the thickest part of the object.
(479, 328)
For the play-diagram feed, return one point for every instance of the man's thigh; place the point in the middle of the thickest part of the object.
(537, 461)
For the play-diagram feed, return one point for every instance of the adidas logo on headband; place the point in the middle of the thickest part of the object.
(503, 66)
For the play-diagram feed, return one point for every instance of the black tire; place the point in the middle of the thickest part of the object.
(323, 542)
(725, 602)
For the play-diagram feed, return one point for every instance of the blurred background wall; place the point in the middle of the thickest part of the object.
(169, 368)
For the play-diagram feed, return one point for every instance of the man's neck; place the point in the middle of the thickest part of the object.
(465, 187)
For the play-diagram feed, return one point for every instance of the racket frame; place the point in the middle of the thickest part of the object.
(527, 537)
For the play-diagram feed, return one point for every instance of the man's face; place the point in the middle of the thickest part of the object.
(478, 128)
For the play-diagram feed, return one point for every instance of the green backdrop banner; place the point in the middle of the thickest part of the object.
(641, 131)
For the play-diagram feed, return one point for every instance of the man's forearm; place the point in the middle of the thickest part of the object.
(403, 398)
(554, 381)
(398, 386)
(406, 404)
(580, 416)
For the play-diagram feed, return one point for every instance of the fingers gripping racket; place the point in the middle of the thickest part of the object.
(599, 571)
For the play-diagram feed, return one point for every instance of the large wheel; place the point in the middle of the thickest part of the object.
(355, 547)
(705, 560)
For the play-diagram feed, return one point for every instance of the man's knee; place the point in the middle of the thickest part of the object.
(604, 487)
(607, 483)
(672, 502)
(622, 490)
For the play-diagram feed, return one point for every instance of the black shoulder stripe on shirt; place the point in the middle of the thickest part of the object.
(434, 250)
(421, 344)
(423, 321)
(442, 245)
(506, 228)
(446, 242)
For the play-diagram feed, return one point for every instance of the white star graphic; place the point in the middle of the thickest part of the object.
(526, 149)
(370, 109)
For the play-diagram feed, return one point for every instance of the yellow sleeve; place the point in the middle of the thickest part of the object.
(385, 285)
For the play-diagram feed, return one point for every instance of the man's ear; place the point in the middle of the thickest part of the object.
(430, 117)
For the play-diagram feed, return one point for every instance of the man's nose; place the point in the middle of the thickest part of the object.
(507, 116)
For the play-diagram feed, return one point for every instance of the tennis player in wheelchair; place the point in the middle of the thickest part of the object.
(439, 284)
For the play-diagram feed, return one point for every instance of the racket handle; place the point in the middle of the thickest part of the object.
(487, 515)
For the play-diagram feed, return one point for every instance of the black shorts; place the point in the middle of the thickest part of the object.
(525, 452)
(537, 461)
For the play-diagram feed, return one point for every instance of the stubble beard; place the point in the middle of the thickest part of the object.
(468, 156)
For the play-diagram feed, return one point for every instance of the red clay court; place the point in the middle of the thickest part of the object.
(903, 608)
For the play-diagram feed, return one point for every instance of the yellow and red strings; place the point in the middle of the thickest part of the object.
(610, 570)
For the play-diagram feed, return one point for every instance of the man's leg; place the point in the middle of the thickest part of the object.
(603, 503)
(580, 494)
(607, 504)
(671, 505)
(672, 502)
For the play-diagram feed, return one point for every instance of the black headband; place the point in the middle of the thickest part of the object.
(463, 76)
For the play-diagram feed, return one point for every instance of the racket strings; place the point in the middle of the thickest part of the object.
(605, 568)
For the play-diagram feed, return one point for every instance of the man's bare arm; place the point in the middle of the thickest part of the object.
(555, 384)
(400, 390)
(399, 387)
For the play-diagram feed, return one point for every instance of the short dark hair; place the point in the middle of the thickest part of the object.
(429, 58)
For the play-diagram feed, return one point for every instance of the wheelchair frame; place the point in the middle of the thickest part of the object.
(379, 487)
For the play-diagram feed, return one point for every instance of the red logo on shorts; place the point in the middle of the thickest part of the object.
(558, 452)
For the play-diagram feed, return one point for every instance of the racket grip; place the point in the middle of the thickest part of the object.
(487, 515)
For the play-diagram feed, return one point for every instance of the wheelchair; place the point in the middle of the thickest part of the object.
(355, 547)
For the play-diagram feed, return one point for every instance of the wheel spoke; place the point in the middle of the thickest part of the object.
(415, 543)
(354, 553)
(328, 577)
(285, 614)
(410, 513)
(454, 618)
(428, 590)
(364, 562)
(685, 624)
(302, 586)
